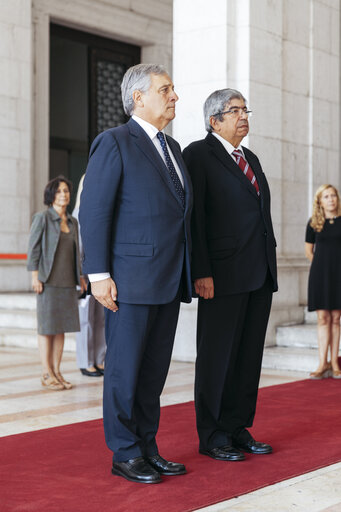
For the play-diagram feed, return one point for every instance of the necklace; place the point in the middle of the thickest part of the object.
(331, 221)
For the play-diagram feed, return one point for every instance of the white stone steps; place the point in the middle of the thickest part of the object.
(18, 301)
(293, 358)
(302, 335)
(27, 338)
(19, 318)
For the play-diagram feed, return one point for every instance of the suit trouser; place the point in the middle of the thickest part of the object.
(90, 341)
(139, 346)
(230, 340)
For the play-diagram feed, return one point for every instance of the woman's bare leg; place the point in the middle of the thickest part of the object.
(323, 336)
(57, 351)
(45, 351)
(335, 339)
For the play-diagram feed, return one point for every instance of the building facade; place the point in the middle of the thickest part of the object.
(284, 55)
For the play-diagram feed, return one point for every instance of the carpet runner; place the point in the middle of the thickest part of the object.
(68, 468)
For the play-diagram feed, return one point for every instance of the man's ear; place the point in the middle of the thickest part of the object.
(214, 124)
(137, 97)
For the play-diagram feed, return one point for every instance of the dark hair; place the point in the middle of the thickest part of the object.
(52, 187)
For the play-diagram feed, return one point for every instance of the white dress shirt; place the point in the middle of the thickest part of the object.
(152, 132)
(229, 148)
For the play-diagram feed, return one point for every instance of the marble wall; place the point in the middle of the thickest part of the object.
(284, 56)
(24, 97)
(15, 135)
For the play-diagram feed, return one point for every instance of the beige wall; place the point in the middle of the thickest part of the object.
(24, 97)
(284, 56)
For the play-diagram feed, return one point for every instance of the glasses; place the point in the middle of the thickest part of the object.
(236, 112)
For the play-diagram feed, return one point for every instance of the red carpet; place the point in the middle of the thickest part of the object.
(68, 468)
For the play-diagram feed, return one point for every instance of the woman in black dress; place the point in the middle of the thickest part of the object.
(323, 249)
(53, 258)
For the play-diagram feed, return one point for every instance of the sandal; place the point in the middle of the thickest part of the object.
(323, 374)
(51, 383)
(65, 383)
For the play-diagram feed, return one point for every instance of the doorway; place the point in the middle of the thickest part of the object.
(85, 96)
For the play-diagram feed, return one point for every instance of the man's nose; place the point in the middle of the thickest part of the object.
(174, 96)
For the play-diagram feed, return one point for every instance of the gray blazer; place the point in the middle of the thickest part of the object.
(44, 237)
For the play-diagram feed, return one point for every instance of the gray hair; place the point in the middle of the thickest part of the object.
(217, 102)
(137, 78)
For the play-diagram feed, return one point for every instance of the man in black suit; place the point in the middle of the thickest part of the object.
(234, 273)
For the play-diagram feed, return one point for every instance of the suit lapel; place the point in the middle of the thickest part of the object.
(227, 160)
(149, 150)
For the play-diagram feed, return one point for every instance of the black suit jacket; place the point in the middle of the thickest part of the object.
(232, 233)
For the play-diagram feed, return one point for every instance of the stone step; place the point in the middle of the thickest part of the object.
(310, 316)
(295, 359)
(27, 338)
(19, 318)
(302, 335)
(18, 301)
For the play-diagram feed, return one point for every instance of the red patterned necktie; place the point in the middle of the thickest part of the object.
(242, 163)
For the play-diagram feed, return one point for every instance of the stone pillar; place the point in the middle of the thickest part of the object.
(285, 58)
(16, 137)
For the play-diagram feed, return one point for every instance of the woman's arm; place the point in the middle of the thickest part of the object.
(309, 251)
(34, 244)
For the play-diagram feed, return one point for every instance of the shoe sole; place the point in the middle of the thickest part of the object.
(169, 473)
(254, 453)
(116, 472)
(229, 459)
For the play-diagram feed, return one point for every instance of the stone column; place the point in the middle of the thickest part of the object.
(285, 58)
(16, 138)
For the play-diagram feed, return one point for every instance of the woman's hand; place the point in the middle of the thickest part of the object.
(309, 251)
(83, 284)
(37, 285)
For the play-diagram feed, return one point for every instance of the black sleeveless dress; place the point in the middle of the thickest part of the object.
(324, 286)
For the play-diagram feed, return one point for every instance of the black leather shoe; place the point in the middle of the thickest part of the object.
(86, 372)
(224, 453)
(164, 467)
(100, 370)
(136, 470)
(252, 446)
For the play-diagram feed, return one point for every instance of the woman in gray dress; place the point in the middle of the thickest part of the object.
(53, 258)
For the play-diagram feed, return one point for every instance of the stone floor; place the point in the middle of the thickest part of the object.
(25, 406)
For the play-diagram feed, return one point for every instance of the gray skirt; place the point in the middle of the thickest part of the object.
(57, 310)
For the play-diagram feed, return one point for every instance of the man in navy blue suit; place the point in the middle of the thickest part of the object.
(135, 226)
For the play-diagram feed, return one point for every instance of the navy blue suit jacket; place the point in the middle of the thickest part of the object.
(133, 224)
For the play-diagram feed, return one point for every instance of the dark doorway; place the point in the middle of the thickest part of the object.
(85, 98)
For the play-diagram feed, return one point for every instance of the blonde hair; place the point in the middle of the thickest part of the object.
(318, 218)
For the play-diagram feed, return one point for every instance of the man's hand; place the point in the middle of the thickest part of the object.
(204, 287)
(105, 292)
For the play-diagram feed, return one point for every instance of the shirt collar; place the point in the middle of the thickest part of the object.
(150, 129)
(227, 145)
